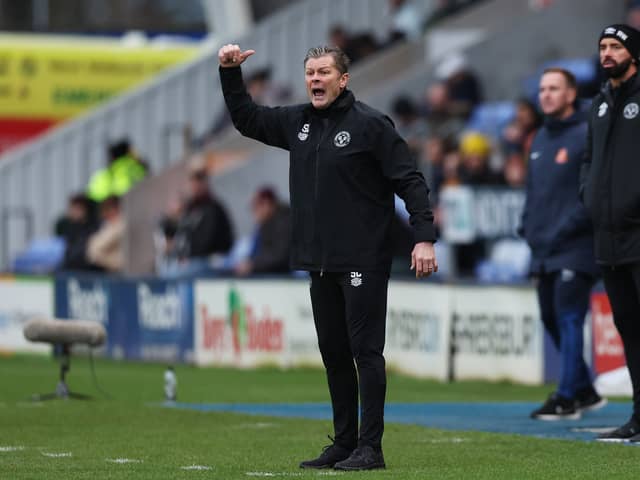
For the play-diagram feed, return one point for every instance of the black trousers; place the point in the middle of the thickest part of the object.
(623, 289)
(349, 310)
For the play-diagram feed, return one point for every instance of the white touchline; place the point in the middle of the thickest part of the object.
(447, 440)
(11, 449)
(57, 455)
(195, 467)
(256, 425)
(123, 460)
(271, 474)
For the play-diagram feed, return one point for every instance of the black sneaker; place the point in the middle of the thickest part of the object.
(624, 433)
(556, 408)
(331, 454)
(588, 400)
(362, 458)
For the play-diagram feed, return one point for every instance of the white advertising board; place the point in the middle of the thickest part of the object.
(20, 300)
(418, 329)
(497, 334)
(248, 323)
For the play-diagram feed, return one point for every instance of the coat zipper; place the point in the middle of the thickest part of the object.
(614, 114)
(325, 131)
(317, 185)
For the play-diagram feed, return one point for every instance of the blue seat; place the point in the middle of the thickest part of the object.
(489, 118)
(41, 256)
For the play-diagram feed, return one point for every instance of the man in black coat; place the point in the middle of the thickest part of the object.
(561, 242)
(346, 163)
(610, 187)
(202, 230)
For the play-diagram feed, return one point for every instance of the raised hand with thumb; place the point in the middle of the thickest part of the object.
(231, 56)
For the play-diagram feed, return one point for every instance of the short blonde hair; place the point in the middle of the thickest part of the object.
(339, 57)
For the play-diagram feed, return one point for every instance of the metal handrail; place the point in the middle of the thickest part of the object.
(5, 218)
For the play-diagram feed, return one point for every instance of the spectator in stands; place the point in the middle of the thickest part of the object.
(203, 229)
(475, 150)
(518, 134)
(435, 152)
(610, 190)
(632, 17)
(355, 45)
(442, 119)
(406, 20)
(105, 247)
(451, 167)
(364, 44)
(515, 171)
(164, 237)
(271, 249)
(75, 228)
(473, 170)
(561, 243)
(123, 171)
(341, 38)
(346, 162)
(462, 84)
(409, 124)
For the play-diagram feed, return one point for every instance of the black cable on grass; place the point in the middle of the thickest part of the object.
(95, 379)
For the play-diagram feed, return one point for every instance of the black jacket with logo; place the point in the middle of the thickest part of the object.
(346, 162)
(610, 179)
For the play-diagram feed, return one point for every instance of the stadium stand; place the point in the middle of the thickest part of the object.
(39, 177)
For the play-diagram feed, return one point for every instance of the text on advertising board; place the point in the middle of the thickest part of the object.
(498, 334)
(243, 328)
(608, 348)
(87, 303)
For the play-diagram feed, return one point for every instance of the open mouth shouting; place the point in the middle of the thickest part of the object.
(318, 93)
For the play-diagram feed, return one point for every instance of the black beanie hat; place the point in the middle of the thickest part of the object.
(628, 36)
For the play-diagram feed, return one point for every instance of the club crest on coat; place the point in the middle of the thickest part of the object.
(342, 139)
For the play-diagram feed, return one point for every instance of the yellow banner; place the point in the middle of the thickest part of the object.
(59, 79)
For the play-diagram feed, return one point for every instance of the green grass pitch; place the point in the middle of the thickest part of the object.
(128, 437)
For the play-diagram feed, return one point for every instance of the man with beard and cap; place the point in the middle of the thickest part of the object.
(561, 244)
(610, 189)
(346, 161)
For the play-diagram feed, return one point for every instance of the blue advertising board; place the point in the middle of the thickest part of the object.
(145, 319)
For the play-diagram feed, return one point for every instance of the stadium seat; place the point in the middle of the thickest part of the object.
(490, 118)
(508, 262)
(42, 255)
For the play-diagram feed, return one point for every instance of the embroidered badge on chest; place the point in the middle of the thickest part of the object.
(562, 156)
(303, 134)
(602, 109)
(342, 139)
(631, 111)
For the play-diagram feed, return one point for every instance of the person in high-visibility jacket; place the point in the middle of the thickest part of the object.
(123, 172)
